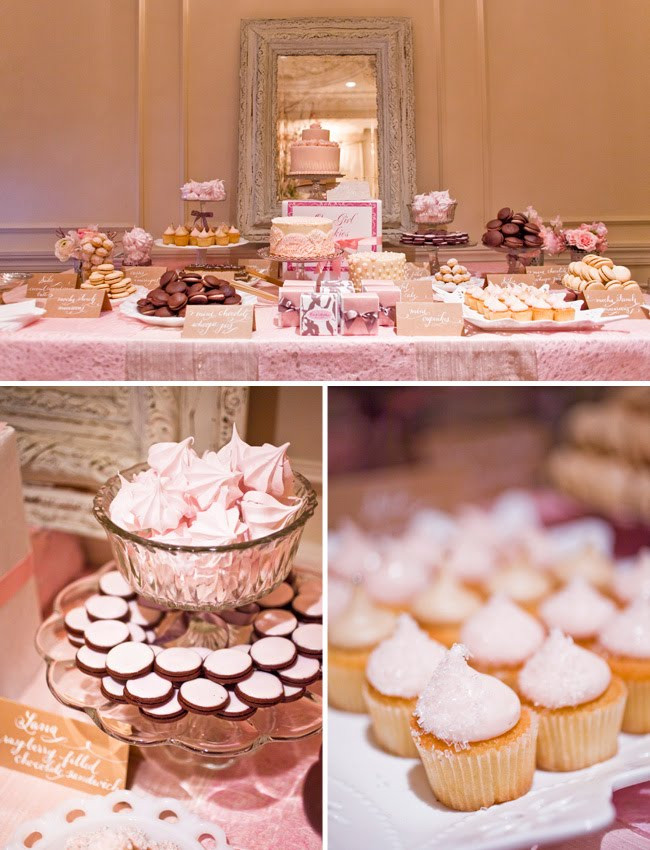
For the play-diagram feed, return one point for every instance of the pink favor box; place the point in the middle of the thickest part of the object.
(319, 313)
(360, 313)
(289, 306)
(388, 298)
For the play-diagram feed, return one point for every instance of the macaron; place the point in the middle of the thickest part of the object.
(260, 689)
(178, 664)
(201, 696)
(227, 666)
(273, 653)
(129, 660)
(147, 690)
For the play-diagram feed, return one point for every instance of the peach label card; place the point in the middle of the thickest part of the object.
(148, 276)
(219, 322)
(76, 303)
(40, 284)
(417, 289)
(434, 319)
(622, 301)
(60, 749)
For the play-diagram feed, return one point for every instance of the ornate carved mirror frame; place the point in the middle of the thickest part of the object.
(390, 41)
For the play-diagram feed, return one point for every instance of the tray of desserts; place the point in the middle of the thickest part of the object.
(122, 820)
(162, 315)
(211, 247)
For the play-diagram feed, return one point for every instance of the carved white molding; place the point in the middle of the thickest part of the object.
(390, 41)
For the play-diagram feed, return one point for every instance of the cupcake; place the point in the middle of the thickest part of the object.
(233, 235)
(353, 634)
(397, 580)
(541, 309)
(443, 606)
(168, 235)
(588, 561)
(204, 239)
(562, 311)
(194, 236)
(476, 741)
(523, 583)
(501, 637)
(181, 236)
(578, 702)
(625, 644)
(221, 236)
(397, 672)
(470, 559)
(630, 582)
(578, 610)
(519, 311)
(495, 309)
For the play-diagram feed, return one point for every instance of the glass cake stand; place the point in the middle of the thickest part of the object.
(317, 191)
(518, 258)
(216, 741)
(320, 262)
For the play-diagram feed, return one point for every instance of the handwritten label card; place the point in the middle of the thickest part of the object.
(551, 275)
(39, 285)
(417, 289)
(434, 319)
(148, 276)
(505, 279)
(625, 302)
(60, 749)
(219, 322)
(76, 303)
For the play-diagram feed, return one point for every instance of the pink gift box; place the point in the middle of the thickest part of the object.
(319, 313)
(388, 298)
(289, 306)
(360, 313)
(19, 608)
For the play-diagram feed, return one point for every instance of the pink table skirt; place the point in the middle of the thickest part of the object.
(116, 348)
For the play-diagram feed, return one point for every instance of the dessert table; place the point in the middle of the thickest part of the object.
(116, 348)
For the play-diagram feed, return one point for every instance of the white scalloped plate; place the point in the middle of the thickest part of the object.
(160, 244)
(388, 800)
(130, 310)
(143, 812)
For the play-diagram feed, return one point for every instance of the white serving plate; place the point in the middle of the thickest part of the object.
(143, 813)
(20, 313)
(130, 309)
(388, 801)
(161, 244)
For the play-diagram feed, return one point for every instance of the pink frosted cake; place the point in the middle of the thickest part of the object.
(314, 153)
(301, 237)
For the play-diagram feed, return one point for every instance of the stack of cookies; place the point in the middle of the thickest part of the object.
(596, 272)
(451, 274)
(96, 250)
(512, 230)
(178, 289)
(107, 277)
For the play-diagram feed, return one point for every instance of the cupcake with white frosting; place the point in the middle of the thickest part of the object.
(633, 580)
(522, 582)
(397, 580)
(397, 673)
(476, 741)
(578, 610)
(578, 702)
(352, 635)
(443, 606)
(625, 644)
(587, 561)
(501, 637)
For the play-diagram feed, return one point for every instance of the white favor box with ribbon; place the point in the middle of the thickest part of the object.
(19, 608)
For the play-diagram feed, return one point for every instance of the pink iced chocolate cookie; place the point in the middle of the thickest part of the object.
(273, 653)
(292, 692)
(100, 607)
(236, 709)
(112, 690)
(76, 641)
(144, 616)
(76, 622)
(201, 696)
(260, 689)
(90, 662)
(242, 616)
(309, 639)
(278, 598)
(151, 689)
(178, 664)
(113, 584)
(137, 633)
(303, 671)
(129, 661)
(203, 651)
(103, 635)
(309, 606)
(168, 712)
(275, 622)
(227, 666)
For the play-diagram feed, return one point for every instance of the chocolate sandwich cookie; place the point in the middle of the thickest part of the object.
(203, 651)
(176, 287)
(113, 583)
(513, 242)
(227, 666)
(201, 696)
(158, 297)
(76, 622)
(91, 662)
(100, 607)
(309, 639)
(494, 224)
(137, 633)
(143, 615)
(242, 616)
(260, 689)
(129, 660)
(505, 214)
(493, 238)
(77, 641)
(510, 228)
(151, 689)
(273, 653)
(168, 712)
(303, 671)
(309, 606)
(168, 277)
(278, 598)
(112, 690)
(292, 693)
(178, 664)
(275, 622)
(103, 635)
(235, 709)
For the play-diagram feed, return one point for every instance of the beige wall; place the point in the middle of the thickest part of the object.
(108, 106)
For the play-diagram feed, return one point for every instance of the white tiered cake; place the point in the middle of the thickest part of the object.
(315, 153)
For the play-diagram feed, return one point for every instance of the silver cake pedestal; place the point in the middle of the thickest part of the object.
(317, 190)
(320, 262)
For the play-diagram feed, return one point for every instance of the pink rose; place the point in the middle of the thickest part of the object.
(585, 240)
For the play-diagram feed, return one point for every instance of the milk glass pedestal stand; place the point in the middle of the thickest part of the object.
(320, 262)
(317, 191)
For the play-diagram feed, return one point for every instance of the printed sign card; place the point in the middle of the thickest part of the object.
(60, 749)
(614, 301)
(76, 303)
(417, 289)
(148, 276)
(219, 322)
(424, 319)
(39, 285)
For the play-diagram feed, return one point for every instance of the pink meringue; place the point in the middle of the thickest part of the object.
(264, 514)
(171, 459)
(267, 469)
(232, 454)
(206, 478)
(217, 526)
(155, 507)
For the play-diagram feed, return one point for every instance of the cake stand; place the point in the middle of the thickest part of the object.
(320, 262)
(518, 258)
(317, 191)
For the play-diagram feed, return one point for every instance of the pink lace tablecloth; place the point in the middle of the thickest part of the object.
(116, 348)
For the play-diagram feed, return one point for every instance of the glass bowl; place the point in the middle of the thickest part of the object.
(203, 578)
(427, 223)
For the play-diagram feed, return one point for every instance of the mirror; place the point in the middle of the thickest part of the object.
(340, 93)
(298, 71)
